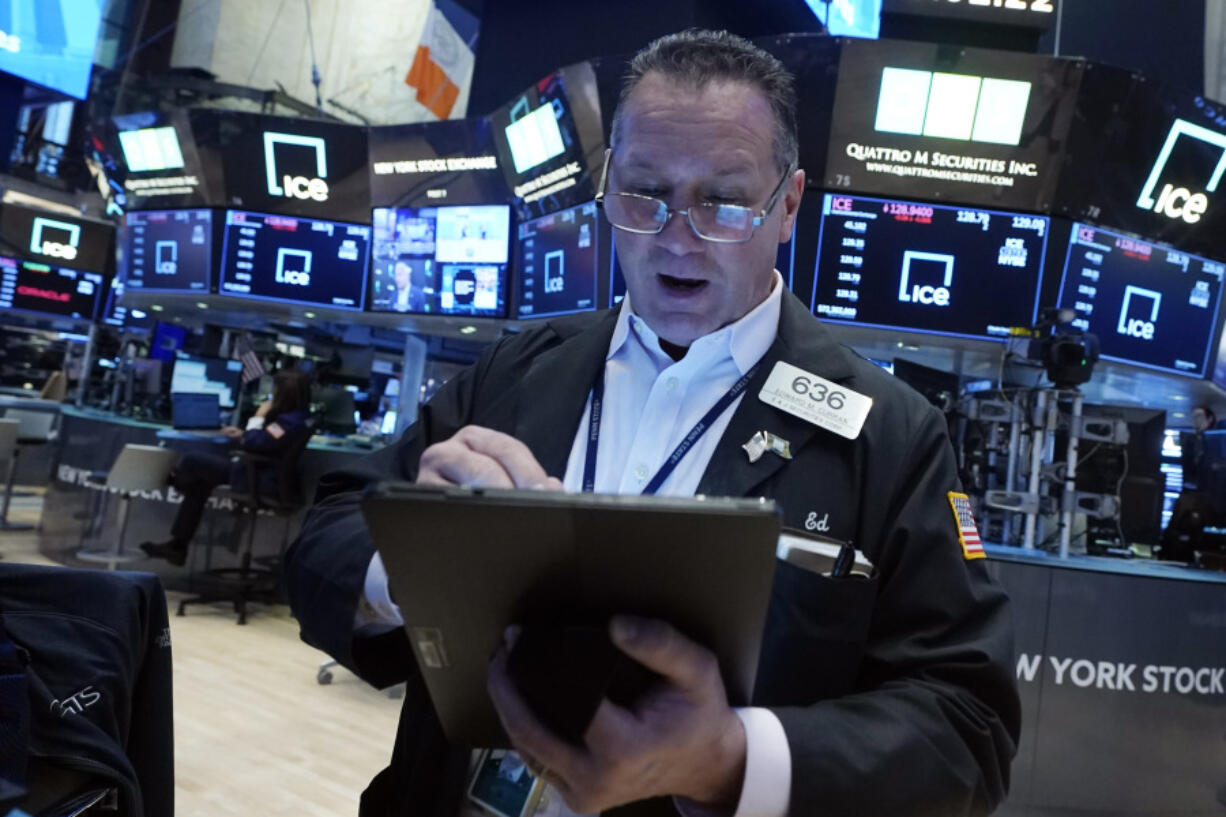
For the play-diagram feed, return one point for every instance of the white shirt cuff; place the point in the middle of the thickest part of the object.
(767, 788)
(376, 612)
(768, 765)
(255, 423)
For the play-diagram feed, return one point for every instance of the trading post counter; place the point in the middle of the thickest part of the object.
(78, 514)
(1120, 666)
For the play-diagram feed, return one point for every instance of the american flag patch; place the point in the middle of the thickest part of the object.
(968, 534)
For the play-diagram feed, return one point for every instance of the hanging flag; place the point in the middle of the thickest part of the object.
(253, 369)
(443, 63)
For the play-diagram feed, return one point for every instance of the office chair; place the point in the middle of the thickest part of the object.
(40, 421)
(137, 468)
(253, 582)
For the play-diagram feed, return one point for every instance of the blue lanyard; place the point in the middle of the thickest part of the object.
(666, 470)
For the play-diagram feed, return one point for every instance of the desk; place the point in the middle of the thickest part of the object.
(1120, 668)
(90, 440)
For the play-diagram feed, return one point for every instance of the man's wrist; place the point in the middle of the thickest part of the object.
(721, 789)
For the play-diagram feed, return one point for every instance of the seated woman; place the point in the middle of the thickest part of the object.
(275, 424)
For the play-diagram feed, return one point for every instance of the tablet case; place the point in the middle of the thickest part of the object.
(464, 563)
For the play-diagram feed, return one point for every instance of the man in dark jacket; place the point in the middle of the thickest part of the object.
(892, 695)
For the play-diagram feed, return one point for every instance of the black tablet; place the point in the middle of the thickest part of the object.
(464, 563)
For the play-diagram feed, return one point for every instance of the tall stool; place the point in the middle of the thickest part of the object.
(9, 432)
(138, 468)
(40, 421)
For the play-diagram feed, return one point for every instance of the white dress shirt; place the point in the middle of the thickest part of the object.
(651, 402)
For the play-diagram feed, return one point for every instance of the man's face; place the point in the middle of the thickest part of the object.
(402, 274)
(686, 147)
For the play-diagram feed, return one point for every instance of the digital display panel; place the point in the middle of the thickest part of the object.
(55, 238)
(431, 163)
(33, 287)
(928, 267)
(163, 164)
(1148, 304)
(441, 260)
(291, 166)
(51, 44)
(168, 250)
(1037, 14)
(297, 260)
(1149, 159)
(212, 375)
(550, 141)
(557, 263)
(921, 120)
(849, 18)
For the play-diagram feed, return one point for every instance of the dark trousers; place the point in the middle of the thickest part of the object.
(195, 477)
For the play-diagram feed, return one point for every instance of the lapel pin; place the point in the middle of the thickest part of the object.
(756, 446)
(778, 445)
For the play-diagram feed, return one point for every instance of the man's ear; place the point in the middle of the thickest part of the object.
(792, 193)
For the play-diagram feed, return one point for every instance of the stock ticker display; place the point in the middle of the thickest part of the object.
(441, 260)
(55, 238)
(1148, 304)
(296, 260)
(558, 262)
(928, 267)
(34, 287)
(168, 250)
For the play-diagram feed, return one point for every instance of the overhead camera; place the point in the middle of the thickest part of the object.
(1067, 353)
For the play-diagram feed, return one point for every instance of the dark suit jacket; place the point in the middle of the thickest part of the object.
(897, 694)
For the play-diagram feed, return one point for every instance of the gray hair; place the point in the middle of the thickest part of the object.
(697, 57)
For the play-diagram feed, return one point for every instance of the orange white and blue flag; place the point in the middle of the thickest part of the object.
(443, 63)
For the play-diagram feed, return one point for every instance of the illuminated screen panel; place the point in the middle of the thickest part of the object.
(558, 262)
(1148, 304)
(55, 238)
(919, 120)
(294, 260)
(149, 149)
(210, 375)
(50, 43)
(928, 267)
(32, 287)
(168, 250)
(441, 260)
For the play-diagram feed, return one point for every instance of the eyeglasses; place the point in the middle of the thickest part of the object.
(647, 215)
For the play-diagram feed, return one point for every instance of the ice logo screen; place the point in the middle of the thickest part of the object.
(925, 293)
(166, 257)
(52, 248)
(290, 186)
(293, 267)
(1180, 202)
(1139, 327)
(555, 266)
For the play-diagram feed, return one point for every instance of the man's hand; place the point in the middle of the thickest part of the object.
(483, 458)
(681, 738)
(231, 432)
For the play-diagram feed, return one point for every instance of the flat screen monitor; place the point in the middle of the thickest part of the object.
(927, 267)
(168, 339)
(294, 260)
(65, 293)
(51, 44)
(213, 375)
(558, 263)
(56, 238)
(441, 260)
(168, 250)
(1148, 304)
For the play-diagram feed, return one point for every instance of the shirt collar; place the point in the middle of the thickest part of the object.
(745, 340)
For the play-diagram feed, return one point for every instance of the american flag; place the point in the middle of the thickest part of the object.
(253, 369)
(968, 534)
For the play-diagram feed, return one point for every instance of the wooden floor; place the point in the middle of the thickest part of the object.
(255, 734)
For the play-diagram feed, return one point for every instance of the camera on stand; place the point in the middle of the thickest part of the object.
(1066, 353)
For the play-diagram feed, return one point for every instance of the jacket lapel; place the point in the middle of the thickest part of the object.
(556, 387)
(802, 342)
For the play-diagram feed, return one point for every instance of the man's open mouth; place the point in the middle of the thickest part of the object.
(682, 284)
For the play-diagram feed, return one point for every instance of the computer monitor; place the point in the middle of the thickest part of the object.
(168, 338)
(47, 290)
(51, 44)
(207, 374)
(927, 267)
(335, 409)
(448, 260)
(939, 387)
(558, 260)
(168, 250)
(294, 260)
(1150, 305)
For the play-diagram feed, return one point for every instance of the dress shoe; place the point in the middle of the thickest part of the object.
(172, 551)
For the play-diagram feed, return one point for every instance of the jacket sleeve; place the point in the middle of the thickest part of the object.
(932, 724)
(325, 568)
